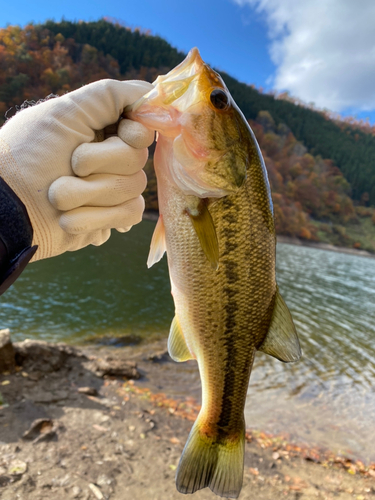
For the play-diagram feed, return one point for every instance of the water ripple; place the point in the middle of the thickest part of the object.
(108, 290)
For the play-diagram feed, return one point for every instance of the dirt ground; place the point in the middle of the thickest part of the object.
(72, 427)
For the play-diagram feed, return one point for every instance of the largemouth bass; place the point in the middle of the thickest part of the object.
(216, 224)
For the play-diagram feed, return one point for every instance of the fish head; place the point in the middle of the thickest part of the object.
(192, 106)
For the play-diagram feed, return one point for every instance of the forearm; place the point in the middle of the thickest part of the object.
(16, 234)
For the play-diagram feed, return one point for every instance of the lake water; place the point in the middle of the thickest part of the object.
(328, 398)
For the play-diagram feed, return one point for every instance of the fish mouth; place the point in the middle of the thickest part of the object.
(190, 66)
(178, 79)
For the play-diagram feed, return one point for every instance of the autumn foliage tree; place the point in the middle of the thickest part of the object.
(310, 192)
(304, 187)
(35, 63)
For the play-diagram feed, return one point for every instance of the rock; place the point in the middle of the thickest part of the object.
(96, 491)
(4, 480)
(42, 429)
(37, 355)
(7, 355)
(39, 425)
(90, 391)
(64, 481)
(159, 357)
(76, 492)
(115, 367)
(104, 480)
(17, 467)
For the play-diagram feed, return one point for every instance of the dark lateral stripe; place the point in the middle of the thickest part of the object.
(231, 290)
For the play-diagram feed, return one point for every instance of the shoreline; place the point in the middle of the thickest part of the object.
(83, 423)
(289, 240)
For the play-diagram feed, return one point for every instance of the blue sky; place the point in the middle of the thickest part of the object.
(304, 47)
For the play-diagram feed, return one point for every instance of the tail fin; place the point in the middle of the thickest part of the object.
(217, 464)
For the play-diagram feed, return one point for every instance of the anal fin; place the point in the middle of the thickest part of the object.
(177, 348)
(282, 341)
(157, 247)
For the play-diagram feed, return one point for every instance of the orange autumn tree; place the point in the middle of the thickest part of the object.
(304, 187)
(35, 63)
(309, 192)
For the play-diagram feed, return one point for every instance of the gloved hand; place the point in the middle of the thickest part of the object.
(76, 190)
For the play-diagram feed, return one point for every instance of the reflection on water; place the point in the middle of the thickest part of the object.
(327, 398)
(97, 291)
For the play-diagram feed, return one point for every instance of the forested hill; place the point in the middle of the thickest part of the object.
(352, 150)
(315, 164)
(131, 49)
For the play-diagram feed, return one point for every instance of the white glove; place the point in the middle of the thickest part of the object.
(76, 190)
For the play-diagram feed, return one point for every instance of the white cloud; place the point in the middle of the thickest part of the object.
(324, 50)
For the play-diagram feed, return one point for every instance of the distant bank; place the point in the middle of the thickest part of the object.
(324, 246)
(151, 215)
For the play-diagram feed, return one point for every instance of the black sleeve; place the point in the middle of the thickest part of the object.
(16, 235)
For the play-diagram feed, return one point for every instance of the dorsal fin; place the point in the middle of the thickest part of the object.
(177, 348)
(206, 232)
(281, 341)
(157, 247)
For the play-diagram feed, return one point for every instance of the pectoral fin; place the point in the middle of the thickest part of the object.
(206, 232)
(282, 340)
(157, 247)
(177, 348)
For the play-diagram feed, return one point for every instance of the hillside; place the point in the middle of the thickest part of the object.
(310, 194)
(317, 167)
(352, 150)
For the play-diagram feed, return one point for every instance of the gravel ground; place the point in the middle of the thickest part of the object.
(71, 429)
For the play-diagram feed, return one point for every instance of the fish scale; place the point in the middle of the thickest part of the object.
(216, 225)
(238, 298)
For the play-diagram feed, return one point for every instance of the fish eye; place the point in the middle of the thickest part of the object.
(219, 99)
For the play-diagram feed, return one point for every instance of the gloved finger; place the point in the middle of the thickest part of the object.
(100, 237)
(101, 103)
(135, 134)
(112, 156)
(97, 190)
(123, 229)
(88, 219)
